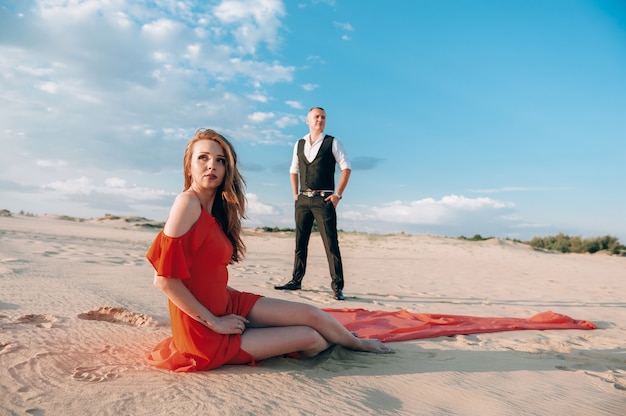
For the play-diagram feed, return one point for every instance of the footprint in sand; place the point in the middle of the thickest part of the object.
(7, 347)
(40, 321)
(118, 316)
(610, 368)
(10, 265)
(97, 373)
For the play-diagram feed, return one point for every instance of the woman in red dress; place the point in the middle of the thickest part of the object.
(213, 324)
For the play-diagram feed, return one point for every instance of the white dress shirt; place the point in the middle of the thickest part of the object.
(311, 150)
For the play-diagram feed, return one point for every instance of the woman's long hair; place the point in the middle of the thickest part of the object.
(230, 201)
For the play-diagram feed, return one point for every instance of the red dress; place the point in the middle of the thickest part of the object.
(200, 259)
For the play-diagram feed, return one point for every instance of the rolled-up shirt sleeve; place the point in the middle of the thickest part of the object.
(340, 155)
(295, 167)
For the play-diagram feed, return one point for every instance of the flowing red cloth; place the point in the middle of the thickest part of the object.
(404, 325)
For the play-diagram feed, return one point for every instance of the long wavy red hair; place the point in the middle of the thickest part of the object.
(230, 203)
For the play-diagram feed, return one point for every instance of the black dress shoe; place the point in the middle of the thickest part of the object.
(291, 285)
(339, 295)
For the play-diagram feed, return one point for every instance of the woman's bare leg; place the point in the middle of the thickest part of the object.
(268, 312)
(262, 343)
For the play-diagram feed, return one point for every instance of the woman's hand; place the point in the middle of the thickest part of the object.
(228, 324)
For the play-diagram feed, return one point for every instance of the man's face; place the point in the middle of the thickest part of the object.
(316, 119)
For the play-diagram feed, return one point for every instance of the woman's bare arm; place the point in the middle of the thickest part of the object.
(181, 296)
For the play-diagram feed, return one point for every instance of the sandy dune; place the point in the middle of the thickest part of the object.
(78, 313)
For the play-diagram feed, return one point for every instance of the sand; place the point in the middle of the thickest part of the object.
(78, 313)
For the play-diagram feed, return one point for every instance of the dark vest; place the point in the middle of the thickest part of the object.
(318, 175)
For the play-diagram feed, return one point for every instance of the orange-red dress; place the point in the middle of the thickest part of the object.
(200, 259)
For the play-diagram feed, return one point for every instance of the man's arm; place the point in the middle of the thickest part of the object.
(294, 185)
(343, 182)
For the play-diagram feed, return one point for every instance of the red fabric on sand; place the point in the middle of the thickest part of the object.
(403, 325)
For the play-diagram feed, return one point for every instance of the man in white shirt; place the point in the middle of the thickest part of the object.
(312, 174)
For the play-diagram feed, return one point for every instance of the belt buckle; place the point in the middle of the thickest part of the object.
(311, 194)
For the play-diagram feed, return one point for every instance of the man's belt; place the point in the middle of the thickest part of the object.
(311, 194)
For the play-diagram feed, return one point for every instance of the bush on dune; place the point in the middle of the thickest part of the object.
(566, 244)
(477, 237)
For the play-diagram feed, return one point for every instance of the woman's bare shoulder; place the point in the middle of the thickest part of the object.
(183, 214)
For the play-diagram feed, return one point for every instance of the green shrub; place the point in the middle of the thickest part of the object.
(567, 244)
(477, 237)
(275, 229)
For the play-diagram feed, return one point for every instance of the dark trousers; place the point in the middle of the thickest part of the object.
(323, 212)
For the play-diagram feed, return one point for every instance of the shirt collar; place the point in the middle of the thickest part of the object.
(320, 137)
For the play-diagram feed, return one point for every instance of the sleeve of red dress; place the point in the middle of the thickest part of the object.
(168, 258)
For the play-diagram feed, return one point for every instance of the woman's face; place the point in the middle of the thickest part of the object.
(208, 164)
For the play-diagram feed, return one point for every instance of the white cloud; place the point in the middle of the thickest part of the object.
(82, 185)
(518, 189)
(112, 187)
(51, 163)
(11, 133)
(33, 70)
(193, 51)
(121, 19)
(160, 29)
(256, 207)
(295, 104)
(114, 183)
(128, 78)
(310, 87)
(260, 117)
(262, 71)
(256, 21)
(287, 121)
(328, 2)
(429, 211)
(261, 98)
(72, 9)
(344, 26)
(49, 87)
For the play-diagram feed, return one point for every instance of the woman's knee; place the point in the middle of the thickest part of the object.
(313, 315)
(314, 341)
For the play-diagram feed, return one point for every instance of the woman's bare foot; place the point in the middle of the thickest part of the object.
(373, 345)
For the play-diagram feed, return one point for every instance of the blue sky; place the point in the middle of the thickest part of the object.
(499, 118)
